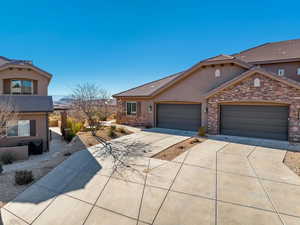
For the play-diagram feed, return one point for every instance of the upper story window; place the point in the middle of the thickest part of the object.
(280, 72)
(131, 108)
(21, 87)
(298, 71)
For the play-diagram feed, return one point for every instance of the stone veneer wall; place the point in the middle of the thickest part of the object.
(142, 118)
(270, 91)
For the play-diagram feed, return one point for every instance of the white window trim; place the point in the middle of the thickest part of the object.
(133, 113)
(256, 82)
(18, 130)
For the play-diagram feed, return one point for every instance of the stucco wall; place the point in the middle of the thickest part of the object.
(290, 69)
(41, 130)
(271, 91)
(42, 88)
(190, 89)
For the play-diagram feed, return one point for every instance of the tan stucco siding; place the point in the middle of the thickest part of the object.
(200, 82)
(191, 89)
(289, 68)
(43, 81)
(41, 129)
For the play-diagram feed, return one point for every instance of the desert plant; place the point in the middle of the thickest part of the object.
(111, 133)
(74, 126)
(202, 131)
(122, 130)
(7, 158)
(70, 136)
(23, 177)
(194, 140)
(1, 168)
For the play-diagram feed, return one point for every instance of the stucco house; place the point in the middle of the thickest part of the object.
(25, 86)
(254, 93)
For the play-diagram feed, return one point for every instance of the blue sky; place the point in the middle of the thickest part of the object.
(122, 44)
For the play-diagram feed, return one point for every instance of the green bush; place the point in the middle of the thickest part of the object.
(111, 133)
(70, 136)
(1, 168)
(113, 127)
(74, 126)
(23, 177)
(202, 131)
(7, 158)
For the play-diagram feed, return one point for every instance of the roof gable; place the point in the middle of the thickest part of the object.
(26, 65)
(156, 87)
(249, 73)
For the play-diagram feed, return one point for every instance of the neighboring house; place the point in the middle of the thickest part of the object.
(254, 93)
(26, 87)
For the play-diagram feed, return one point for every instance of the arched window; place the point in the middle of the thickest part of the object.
(256, 82)
(217, 73)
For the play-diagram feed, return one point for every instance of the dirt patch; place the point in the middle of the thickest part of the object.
(8, 189)
(292, 160)
(86, 139)
(177, 149)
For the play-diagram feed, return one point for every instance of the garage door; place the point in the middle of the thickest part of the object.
(179, 116)
(255, 121)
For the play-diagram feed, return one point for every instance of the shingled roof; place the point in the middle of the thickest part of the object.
(148, 88)
(282, 50)
(29, 103)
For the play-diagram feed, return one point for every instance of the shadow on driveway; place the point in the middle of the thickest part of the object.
(73, 174)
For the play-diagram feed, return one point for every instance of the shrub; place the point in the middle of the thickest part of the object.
(111, 133)
(23, 177)
(194, 140)
(7, 158)
(70, 136)
(202, 132)
(113, 127)
(1, 168)
(122, 130)
(67, 153)
(103, 118)
(74, 126)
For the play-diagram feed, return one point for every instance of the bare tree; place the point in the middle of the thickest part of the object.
(7, 113)
(86, 99)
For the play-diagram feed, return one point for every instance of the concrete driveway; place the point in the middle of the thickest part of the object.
(215, 182)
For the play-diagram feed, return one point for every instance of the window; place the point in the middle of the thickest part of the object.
(298, 71)
(217, 73)
(131, 108)
(281, 72)
(19, 128)
(23, 87)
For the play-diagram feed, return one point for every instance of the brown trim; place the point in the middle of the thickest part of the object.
(178, 102)
(271, 103)
(262, 62)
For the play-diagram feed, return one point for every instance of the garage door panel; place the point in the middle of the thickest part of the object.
(179, 116)
(255, 121)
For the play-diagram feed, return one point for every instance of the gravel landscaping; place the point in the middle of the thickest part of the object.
(292, 160)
